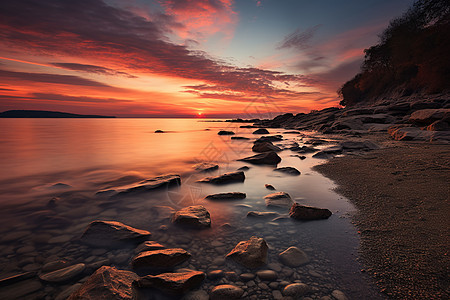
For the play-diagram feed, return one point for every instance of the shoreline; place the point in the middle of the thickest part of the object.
(401, 193)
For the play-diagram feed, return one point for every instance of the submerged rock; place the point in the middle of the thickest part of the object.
(269, 187)
(265, 147)
(226, 292)
(270, 138)
(226, 196)
(196, 216)
(262, 214)
(225, 132)
(293, 257)
(306, 213)
(251, 253)
(169, 180)
(261, 131)
(205, 167)
(112, 234)
(279, 199)
(231, 177)
(107, 283)
(266, 158)
(239, 138)
(162, 259)
(172, 283)
(148, 246)
(288, 170)
(64, 274)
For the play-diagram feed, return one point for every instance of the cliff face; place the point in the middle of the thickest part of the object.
(412, 58)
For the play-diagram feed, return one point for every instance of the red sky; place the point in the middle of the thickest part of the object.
(218, 58)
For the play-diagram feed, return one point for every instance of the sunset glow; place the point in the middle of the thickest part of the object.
(183, 58)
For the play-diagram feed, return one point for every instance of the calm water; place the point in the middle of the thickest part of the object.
(89, 155)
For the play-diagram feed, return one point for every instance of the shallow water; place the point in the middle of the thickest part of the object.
(88, 155)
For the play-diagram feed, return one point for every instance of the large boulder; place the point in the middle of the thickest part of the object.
(196, 216)
(427, 116)
(162, 259)
(105, 284)
(172, 283)
(226, 178)
(112, 234)
(251, 253)
(226, 292)
(288, 170)
(265, 147)
(148, 185)
(266, 158)
(306, 213)
(64, 274)
(226, 196)
(293, 257)
(279, 199)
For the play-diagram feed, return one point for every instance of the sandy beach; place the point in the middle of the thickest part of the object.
(402, 196)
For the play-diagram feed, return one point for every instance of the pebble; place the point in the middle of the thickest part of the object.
(215, 274)
(277, 295)
(247, 276)
(268, 275)
(275, 266)
(225, 292)
(296, 290)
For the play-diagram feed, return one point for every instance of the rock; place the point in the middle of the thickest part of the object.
(112, 234)
(438, 126)
(162, 259)
(251, 253)
(225, 132)
(279, 199)
(196, 295)
(296, 290)
(67, 292)
(304, 149)
(401, 133)
(226, 178)
(172, 283)
(357, 145)
(305, 213)
(159, 131)
(205, 167)
(288, 170)
(239, 138)
(226, 292)
(60, 185)
(293, 257)
(276, 294)
(161, 212)
(244, 168)
(16, 278)
(261, 131)
(64, 274)
(262, 214)
(266, 158)
(54, 265)
(20, 290)
(226, 196)
(193, 216)
(339, 295)
(270, 138)
(269, 187)
(215, 274)
(247, 276)
(425, 117)
(148, 246)
(265, 147)
(169, 180)
(268, 275)
(107, 283)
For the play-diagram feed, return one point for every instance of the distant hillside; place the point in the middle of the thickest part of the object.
(411, 58)
(44, 114)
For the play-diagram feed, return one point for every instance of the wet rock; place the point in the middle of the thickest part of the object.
(215, 274)
(306, 213)
(277, 295)
(293, 257)
(265, 147)
(16, 278)
(67, 292)
(267, 275)
(161, 212)
(64, 274)
(196, 295)
(269, 187)
(159, 131)
(438, 126)
(262, 214)
(169, 180)
(148, 246)
(112, 234)
(339, 295)
(244, 168)
(279, 199)
(239, 138)
(226, 292)
(193, 216)
(20, 290)
(425, 117)
(172, 283)
(205, 167)
(54, 265)
(60, 186)
(251, 253)
(226, 196)
(107, 283)
(226, 178)
(296, 290)
(247, 276)
(225, 132)
(304, 149)
(261, 131)
(164, 259)
(270, 138)
(288, 170)
(266, 158)
(358, 145)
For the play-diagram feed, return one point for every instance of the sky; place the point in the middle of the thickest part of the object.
(184, 58)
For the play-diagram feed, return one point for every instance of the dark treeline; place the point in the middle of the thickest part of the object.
(413, 55)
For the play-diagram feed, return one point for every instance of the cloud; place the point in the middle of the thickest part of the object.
(299, 40)
(91, 69)
(49, 78)
(121, 39)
